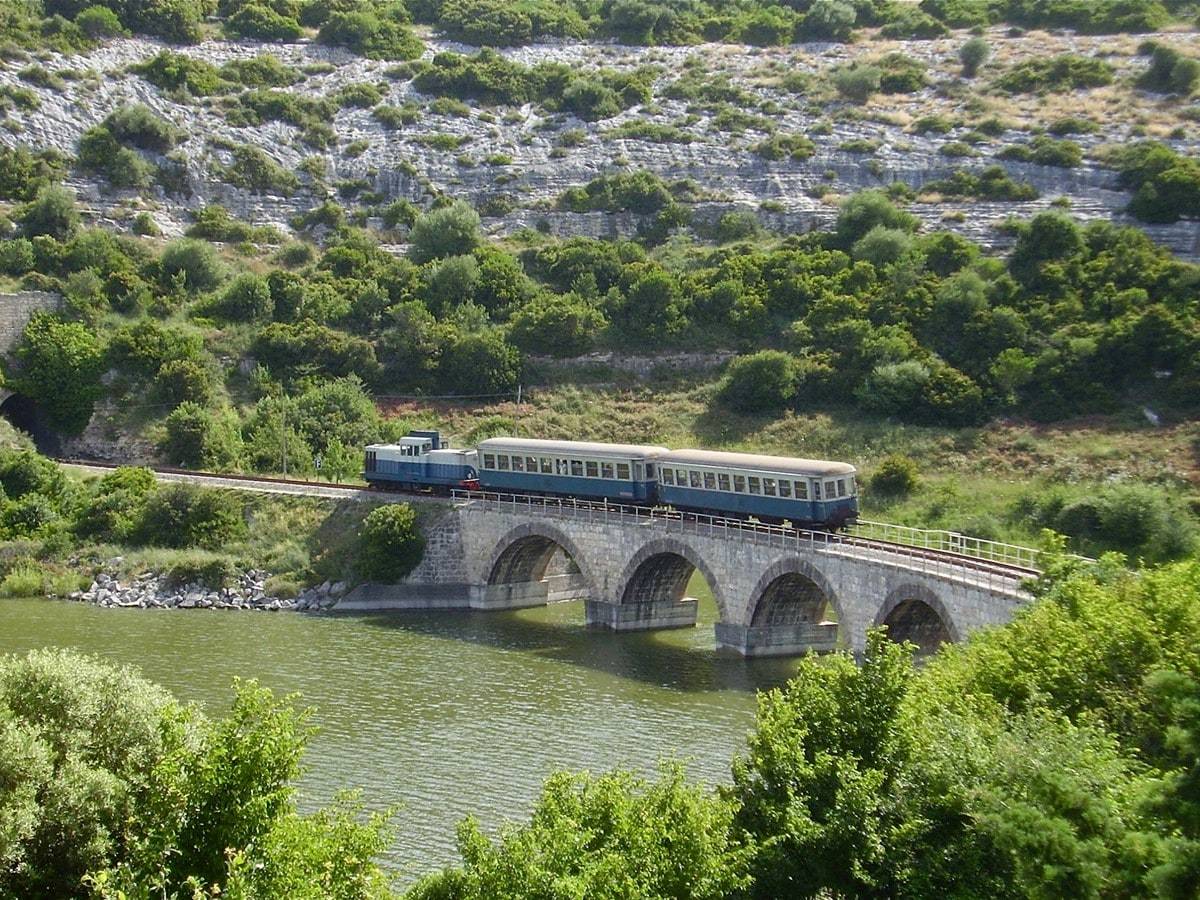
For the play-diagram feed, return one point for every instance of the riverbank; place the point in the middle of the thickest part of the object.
(247, 590)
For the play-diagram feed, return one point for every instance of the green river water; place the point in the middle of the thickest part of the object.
(444, 714)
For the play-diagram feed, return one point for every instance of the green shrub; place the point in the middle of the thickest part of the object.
(52, 213)
(261, 23)
(264, 70)
(895, 476)
(1066, 72)
(101, 153)
(27, 472)
(293, 352)
(991, 183)
(1045, 151)
(761, 382)
(865, 210)
(390, 545)
(24, 172)
(901, 74)
(377, 33)
(198, 437)
(480, 362)
(192, 263)
(61, 364)
(255, 171)
(450, 231)
(1170, 72)
(176, 71)
(100, 23)
(247, 298)
(555, 325)
(140, 126)
(973, 54)
(857, 81)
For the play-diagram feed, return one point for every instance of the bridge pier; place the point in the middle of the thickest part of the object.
(778, 640)
(518, 595)
(650, 615)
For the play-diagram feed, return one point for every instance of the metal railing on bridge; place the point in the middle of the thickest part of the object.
(945, 554)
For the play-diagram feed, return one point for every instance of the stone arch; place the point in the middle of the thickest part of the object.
(913, 612)
(526, 552)
(660, 570)
(26, 415)
(793, 592)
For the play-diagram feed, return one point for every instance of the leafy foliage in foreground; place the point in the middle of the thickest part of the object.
(111, 788)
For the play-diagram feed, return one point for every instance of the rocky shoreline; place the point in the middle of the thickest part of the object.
(152, 590)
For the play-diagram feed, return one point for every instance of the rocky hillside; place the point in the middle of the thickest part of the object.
(755, 129)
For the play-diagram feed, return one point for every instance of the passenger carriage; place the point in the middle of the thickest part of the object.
(622, 472)
(806, 492)
(420, 460)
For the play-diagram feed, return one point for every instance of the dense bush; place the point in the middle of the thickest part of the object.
(377, 32)
(1170, 72)
(389, 543)
(51, 213)
(991, 183)
(254, 170)
(198, 437)
(24, 172)
(762, 382)
(895, 476)
(973, 54)
(178, 71)
(1067, 72)
(1166, 185)
(192, 265)
(110, 778)
(1045, 151)
(450, 231)
(557, 325)
(503, 23)
(262, 23)
(857, 81)
(60, 365)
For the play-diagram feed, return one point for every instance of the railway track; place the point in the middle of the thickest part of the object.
(304, 487)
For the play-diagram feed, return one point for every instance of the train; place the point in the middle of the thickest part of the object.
(807, 493)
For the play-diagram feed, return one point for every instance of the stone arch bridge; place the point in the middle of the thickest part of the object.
(778, 591)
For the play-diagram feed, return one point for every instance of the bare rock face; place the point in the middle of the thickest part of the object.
(513, 159)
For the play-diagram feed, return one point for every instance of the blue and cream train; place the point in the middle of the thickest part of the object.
(804, 492)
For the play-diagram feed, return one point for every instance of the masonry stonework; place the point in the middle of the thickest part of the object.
(632, 573)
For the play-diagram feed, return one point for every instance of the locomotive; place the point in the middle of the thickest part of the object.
(805, 492)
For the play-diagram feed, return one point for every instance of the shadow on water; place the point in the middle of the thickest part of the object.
(678, 660)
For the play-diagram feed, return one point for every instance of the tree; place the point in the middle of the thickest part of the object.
(973, 54)
(895, 476)
(819, 790)
(857, 81)
(653, 306)
(246, 299)
(195, 261)
(339, 410)
(52, 212)
(184, 515)
(60, 367)
(450, 231)
(865, 210)
(882, 246)
(389, 543)
(762, 382)
(557, 325)
(200, 438)
(604, 836)
(479, 362)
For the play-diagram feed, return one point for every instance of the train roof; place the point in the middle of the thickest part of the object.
(570, 448)
(782, 464)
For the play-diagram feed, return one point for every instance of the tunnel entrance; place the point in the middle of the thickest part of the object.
(919, 623)
(25, 415)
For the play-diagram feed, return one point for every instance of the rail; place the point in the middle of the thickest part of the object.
(948, 559)
(951, 542)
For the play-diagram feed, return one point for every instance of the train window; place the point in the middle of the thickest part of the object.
(801, 490)
(739, 483)
(593, 470)
(606, 470)
(755, 487)
(623, 471)
(841, 487)
(649, 471)
(577, 468)
(830, 488)
(710, 481)
(694, 479)
(785, 488)
(850, 482)
(769, 487)
(518, 463)
(723, 482)
(531, 464)
(489, 461)
(546, 465)
(816, 490)
(502, 462)
(668, 476)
